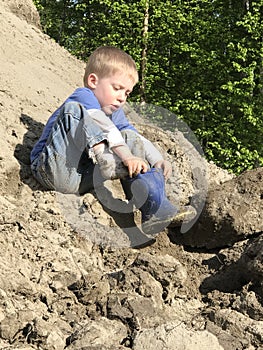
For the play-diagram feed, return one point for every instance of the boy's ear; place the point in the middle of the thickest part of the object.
(92, 80)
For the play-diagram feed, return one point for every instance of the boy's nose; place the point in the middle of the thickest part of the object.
(121, 96)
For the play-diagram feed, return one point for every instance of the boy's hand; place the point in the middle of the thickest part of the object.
(166, 166)
(135, 165)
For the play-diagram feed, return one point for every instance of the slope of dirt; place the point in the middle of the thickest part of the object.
(60, 287)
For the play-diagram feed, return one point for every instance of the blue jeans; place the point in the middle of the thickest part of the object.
(64, 164)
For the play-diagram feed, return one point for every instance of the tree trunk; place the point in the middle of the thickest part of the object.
(144, 51)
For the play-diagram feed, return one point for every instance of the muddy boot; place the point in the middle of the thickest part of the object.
(185, 214)
(147, 192)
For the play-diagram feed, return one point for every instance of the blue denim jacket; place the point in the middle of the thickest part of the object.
(88, 100)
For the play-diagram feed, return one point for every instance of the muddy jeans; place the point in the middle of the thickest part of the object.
(64, 164)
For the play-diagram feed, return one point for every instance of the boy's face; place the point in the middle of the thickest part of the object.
(112, 91)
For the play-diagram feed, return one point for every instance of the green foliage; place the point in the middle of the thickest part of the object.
(204, 62)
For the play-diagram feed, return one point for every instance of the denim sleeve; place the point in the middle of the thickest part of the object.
(111, 132)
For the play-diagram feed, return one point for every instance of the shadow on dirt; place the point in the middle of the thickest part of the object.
(22, 151)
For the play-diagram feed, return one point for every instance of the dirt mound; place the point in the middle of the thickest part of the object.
(64, 284)
(24, 9)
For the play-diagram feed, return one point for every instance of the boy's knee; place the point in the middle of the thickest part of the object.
(129, 134)
(134, 142)
(131, 138)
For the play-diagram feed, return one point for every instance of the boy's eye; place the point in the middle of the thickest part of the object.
(119, 88)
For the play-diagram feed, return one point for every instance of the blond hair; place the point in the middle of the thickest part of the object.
(108, 60)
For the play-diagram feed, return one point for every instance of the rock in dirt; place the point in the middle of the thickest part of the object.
(175, 336)
(233, 211)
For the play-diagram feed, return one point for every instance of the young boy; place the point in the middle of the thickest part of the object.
(91, 128)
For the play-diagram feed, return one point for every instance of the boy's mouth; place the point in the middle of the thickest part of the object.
(110, 109)
(115, 107)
